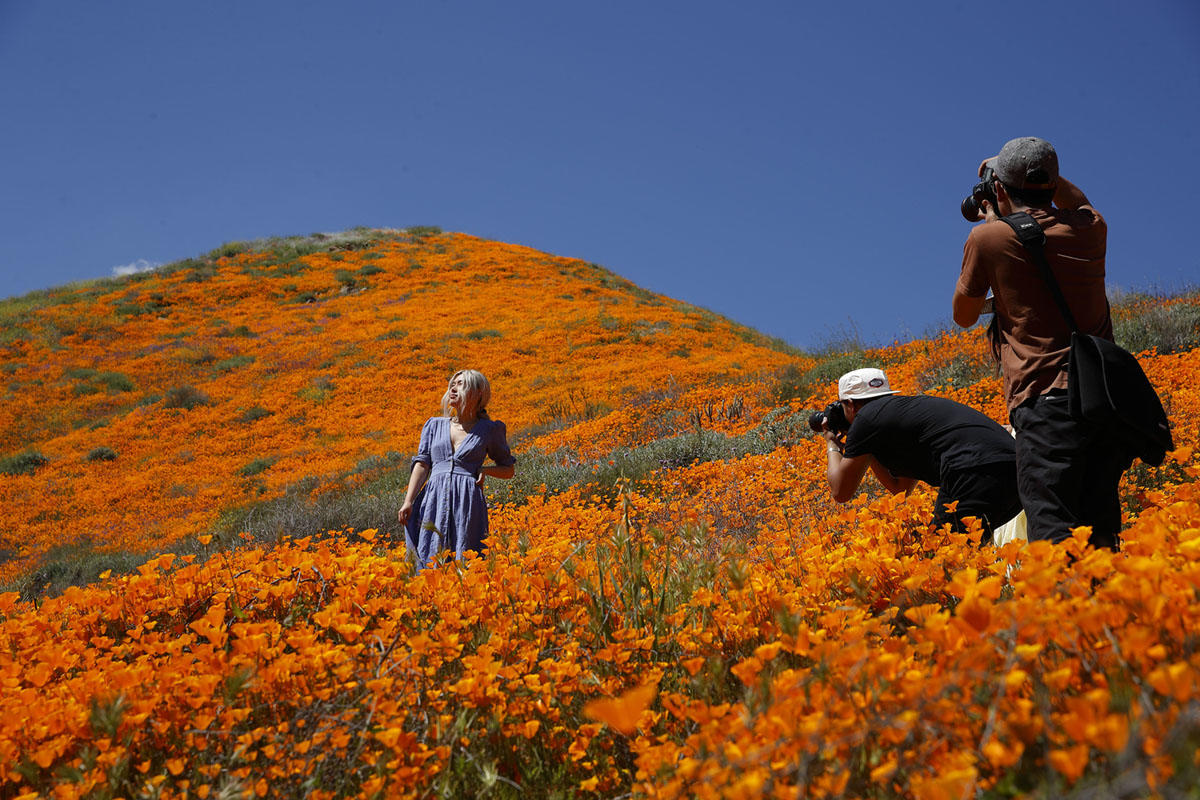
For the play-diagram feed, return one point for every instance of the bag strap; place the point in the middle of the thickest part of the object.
(1031, 235)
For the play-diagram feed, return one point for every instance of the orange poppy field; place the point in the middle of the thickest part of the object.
(670, 604)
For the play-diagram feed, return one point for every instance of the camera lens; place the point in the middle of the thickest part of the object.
(970, 210)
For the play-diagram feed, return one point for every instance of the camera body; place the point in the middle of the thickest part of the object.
(833, 418)
(972, 205)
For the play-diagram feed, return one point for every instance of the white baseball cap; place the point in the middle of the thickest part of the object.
(862, 384)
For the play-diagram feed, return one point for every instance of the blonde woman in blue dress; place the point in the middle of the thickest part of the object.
(444, 508)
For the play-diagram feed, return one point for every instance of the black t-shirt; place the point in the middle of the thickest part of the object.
(926, 437)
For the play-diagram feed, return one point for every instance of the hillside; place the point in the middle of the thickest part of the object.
(670, 604)
(137, 410)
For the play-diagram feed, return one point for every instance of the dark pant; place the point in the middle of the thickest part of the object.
(987, 491)
(1068, 472)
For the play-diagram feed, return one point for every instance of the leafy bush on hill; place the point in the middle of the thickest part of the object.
(1165, 325)
(25, 463)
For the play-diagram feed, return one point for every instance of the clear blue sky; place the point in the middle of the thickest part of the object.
(797, 166)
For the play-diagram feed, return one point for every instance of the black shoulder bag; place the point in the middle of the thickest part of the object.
(1105, 382)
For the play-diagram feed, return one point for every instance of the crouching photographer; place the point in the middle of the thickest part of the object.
(969, 457)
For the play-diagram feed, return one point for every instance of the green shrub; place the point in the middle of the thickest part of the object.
(561, 470)
(102, 454)
(793, 383)
(201, 272)
(186, 397)
(201, 358)
(484, 333)
(233, 362)
(115, 381)
(1172, 328)
(25, 463)
(348, 279)
(289, 269)
(73, 565)
(257, 466)
(135, 305)
(317, 391)
(959, 372)
(253, 413)
(378, 463)
(230, 249)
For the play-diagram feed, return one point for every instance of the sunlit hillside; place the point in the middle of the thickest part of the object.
(207, 596)
(135, 411)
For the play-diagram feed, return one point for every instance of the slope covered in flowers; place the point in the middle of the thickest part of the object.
(155, 403)
(714, 628)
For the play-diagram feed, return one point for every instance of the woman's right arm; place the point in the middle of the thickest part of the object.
(419, 473)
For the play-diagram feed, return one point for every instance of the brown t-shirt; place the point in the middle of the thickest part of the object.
(1034, 336)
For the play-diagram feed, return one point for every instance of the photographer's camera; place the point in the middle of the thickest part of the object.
(972, 205)
(833, 418)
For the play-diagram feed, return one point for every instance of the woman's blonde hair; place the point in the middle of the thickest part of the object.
(478, 393)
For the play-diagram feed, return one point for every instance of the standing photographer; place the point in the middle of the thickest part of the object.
(905, 439)
(1068, 470)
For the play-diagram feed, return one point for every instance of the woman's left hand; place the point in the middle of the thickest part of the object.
(479, 480)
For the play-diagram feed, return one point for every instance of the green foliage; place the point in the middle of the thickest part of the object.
(253, 413)
(186, 397)
(199, 272)
(317, 391)
(484, 333)
(241, 331)
(552, 473)
(558, 414)
(349, 280)
(233, 362)
(134, 304)
(256, 467)
(102, 454)
(25, 463)
(958, 372)
(106, 715)
(200, 358)
(1167, 327)
(791, 382)
(114, 381)
(75, 564)
(375, 464)
(393, 334)
(341, 505)
(230, 249)
(69, 565)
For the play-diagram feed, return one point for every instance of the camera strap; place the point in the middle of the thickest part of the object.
(1031, 235)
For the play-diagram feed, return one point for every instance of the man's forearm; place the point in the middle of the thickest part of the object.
(966, 310)
(1068, 195)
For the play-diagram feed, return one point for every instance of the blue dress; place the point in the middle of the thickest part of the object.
(449, 513)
